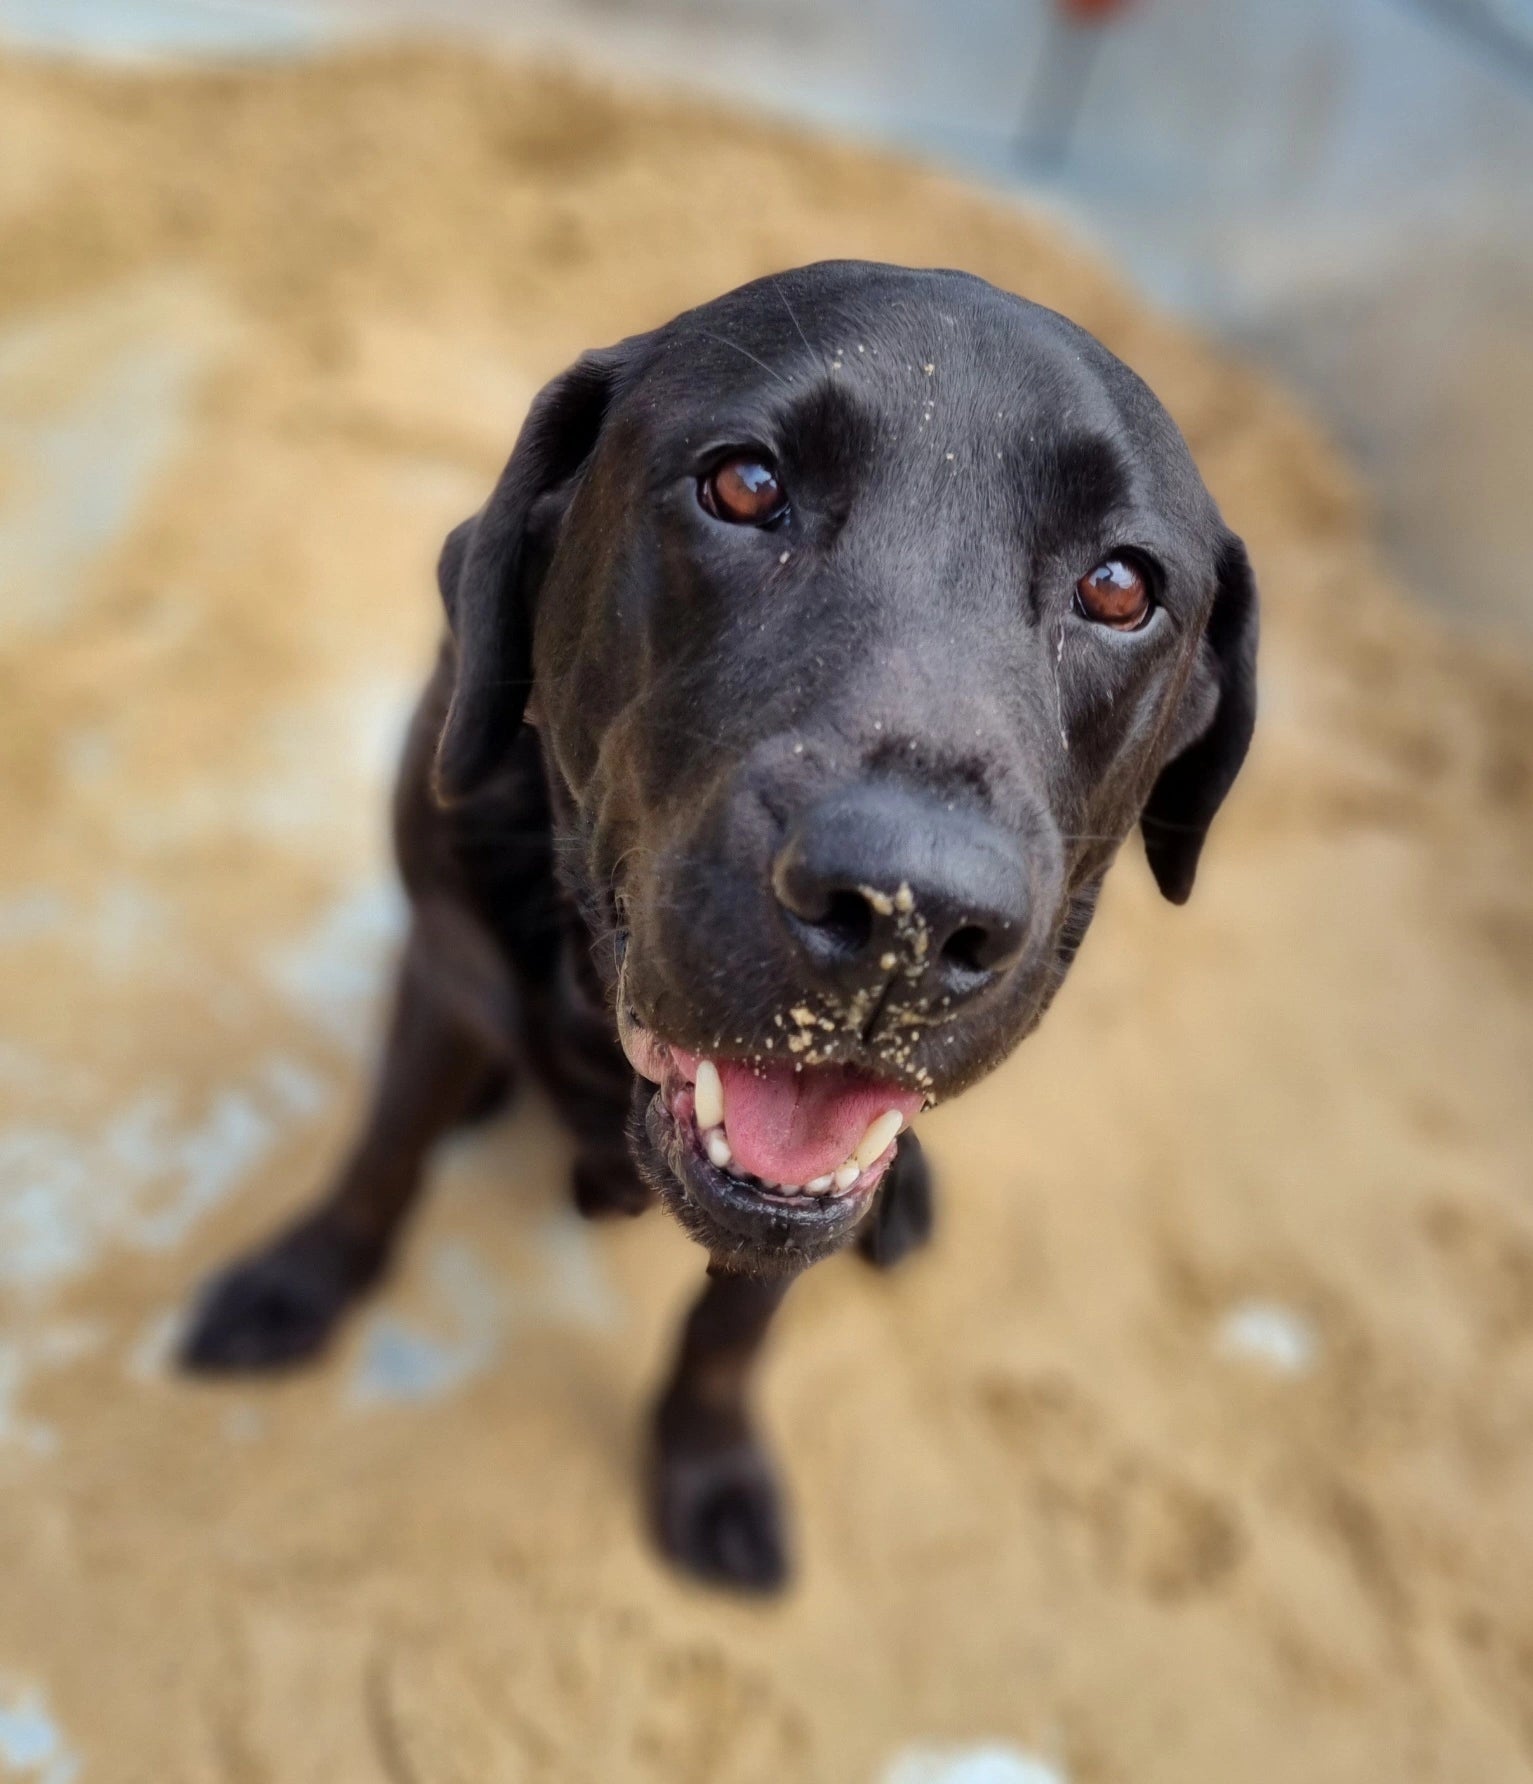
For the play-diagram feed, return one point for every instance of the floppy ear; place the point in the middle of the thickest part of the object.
(487, 582)
(1192, 785)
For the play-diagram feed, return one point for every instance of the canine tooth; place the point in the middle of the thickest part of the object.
(718, 1148)
(881, 1130)
(817, 1186)
(708, 1096)
(848, 1174)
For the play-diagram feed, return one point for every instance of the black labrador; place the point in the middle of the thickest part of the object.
(804, 672)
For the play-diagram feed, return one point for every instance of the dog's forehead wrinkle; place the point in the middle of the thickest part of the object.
(907, 320)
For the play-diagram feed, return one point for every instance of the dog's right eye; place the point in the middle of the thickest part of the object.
(1115, 594)
(744, 490)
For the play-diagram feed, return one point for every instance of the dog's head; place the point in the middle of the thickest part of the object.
(864, 612)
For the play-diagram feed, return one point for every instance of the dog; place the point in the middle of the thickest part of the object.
(802, 676)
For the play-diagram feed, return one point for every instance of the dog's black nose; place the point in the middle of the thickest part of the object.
(878, 878)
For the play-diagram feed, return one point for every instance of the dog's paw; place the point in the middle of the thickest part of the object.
(279, 1307)
(718, 1516)
(607, 1185)
(902, 1217)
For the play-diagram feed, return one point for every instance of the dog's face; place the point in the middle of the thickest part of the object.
(864, 612)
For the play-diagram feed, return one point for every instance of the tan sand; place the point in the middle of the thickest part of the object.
(1200, 1451)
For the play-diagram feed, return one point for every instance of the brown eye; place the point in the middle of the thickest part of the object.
(1114, 594)
(744, 490)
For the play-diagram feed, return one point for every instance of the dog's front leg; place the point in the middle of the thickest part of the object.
(901, 1221)
(714, 1499)
(441, 1066)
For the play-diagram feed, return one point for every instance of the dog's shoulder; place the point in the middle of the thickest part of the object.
(491, 853)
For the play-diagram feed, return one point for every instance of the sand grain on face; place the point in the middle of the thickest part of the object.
(1207, 1429)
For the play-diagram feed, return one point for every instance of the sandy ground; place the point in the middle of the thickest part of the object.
(1201, 1447)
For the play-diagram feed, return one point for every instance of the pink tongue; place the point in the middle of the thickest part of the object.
(788, 1127)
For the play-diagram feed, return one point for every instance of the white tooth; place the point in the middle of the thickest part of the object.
(718, 1148)
(817, 1186)
(881, 1130)
(708, 1096)
(848, 1174)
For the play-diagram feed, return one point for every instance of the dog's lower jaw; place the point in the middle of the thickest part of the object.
(772, 1243)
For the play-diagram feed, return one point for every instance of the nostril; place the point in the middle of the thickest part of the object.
(837, 926)
(848, 921)
(832, 916)
(966, 948)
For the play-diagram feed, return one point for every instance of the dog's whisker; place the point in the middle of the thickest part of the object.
(777, 287)
(745, 353)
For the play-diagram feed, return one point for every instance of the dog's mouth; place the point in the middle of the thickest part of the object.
(779, 1155)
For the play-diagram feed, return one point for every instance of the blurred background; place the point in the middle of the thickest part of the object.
(1341, 188)
(1201, 1445)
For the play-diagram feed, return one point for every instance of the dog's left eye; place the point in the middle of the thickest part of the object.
(745, 490)
(1115, 594)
